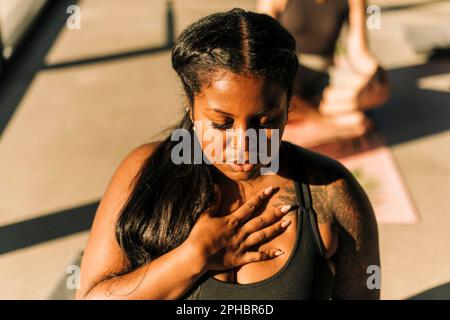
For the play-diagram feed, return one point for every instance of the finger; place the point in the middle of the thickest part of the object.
(263, 220)
(246, 210)
(261, 255)
(265, 234)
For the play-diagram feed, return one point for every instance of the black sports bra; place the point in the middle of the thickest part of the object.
(305, 275)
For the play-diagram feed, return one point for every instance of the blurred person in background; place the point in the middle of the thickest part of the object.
(330, 112)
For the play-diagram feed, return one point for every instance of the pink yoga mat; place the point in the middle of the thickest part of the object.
(375, 168)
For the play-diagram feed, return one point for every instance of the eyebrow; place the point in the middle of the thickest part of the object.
(272, 107)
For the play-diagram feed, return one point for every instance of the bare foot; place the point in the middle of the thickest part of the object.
(325, 129)
(301, 110)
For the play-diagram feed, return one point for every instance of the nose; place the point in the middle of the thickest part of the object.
(244, 140)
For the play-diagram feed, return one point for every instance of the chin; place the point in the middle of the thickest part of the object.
(243, 175)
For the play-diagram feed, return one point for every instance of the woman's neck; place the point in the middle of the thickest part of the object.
(247, 188)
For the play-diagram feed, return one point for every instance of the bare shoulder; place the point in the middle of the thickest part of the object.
(316, 161)
(331, 183)
(337, 189)
(343, 207)
(130, 166)
(140, 154)
(102, 255)
(321, 173)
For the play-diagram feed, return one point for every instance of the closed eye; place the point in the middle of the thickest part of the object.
(220, 126)
(229, 125)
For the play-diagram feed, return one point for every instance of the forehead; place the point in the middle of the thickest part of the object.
(240, 92)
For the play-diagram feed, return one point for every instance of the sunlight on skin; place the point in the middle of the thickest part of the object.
(239, 102)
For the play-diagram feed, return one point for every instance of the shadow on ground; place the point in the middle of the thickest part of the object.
(413, 113)
(441, 292)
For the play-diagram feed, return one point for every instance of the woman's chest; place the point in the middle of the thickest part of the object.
(285, 240)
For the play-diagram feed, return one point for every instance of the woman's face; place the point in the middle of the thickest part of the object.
(242, 103)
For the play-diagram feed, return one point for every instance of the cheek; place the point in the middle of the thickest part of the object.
(216, 144)
(219, 151)
(212, 141)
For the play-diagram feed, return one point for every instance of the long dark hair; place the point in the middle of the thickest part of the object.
(167, 198)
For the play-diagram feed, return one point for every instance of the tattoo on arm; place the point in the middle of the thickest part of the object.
(358, 239)
(288, 197)
(321, 205)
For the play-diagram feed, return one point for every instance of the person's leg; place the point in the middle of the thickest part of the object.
(317, 130)
(360, 94)
(308, 88)
(307, 125)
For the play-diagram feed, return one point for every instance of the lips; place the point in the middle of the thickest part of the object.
(242, 167)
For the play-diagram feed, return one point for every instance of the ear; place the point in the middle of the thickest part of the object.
(189, 108)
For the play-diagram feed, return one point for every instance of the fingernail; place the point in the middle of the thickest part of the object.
(268, 190)
(285, 208)
(285, 223)
(279, 252)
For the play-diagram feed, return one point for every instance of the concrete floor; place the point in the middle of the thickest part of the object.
(82, 99)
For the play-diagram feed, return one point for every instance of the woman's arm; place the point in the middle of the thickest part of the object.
(374, 88)
(360, 58)
(161, 278)
(357, 239)
(271, 7)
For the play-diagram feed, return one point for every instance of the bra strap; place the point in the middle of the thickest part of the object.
(301, 179)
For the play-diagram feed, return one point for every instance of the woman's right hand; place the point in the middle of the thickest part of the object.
(224, 242)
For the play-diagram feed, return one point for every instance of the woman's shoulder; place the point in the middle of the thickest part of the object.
(143, 151)
(103, 255)
(336, 194)
(319, 169)
(131, 164)
(138, 155)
